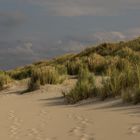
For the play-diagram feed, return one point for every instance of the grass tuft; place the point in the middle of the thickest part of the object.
(84, 87)
(42, 76)
(4, 81)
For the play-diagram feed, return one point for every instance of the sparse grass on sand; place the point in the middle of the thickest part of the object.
(119, 62)
(84, 87)
(4, 80)
(42, 76)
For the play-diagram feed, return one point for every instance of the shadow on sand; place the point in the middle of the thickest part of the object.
(117, 105)
(94, 104)
(54, 101)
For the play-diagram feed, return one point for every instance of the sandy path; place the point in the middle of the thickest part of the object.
(44, 116)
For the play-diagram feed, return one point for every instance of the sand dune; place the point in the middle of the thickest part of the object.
(43, 115)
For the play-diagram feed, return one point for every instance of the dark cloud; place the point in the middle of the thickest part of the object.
(9, 22)
(86, 7)
(18, 53)
(56, 27)
(11, 19)
(82, 7)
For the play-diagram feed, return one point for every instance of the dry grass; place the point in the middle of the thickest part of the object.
(42, 76)
(83, 89)
(4, 81)
(120, 62)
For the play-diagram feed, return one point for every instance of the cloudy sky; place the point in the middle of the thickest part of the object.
(32, 30)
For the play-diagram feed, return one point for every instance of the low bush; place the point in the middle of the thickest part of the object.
(107, 48)
(124, 52)
(121, 82)
(96, 63)
(62, 69)
(84, 87)
(136, 96)
(129, 54)
(74, 66)
(113, 85)
(131, 95)
(42, 76)
(127, 95)
(128, 77)
(21, 73)
(33, 85)
(4, 81)
(117, 61)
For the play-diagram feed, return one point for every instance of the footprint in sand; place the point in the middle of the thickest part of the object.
(11, 114)
(83, 121)
(79, 130)
(69, 116)
(87, 137)
(134, 129)
(44, 116)
(34, 133)
(15, 125)
(37, 133)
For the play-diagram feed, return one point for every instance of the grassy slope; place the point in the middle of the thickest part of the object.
(119, 61)
(105, 49)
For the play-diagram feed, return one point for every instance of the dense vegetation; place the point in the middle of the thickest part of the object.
(4, 80)
(84, 87)
(117, 63)
(44, 75)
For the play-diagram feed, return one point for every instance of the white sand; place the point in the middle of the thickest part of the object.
(44, 116)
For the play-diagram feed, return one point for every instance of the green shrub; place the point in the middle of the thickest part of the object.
(73, 67)
(84, 87)
(122, 64)
(113, 85)
(137, 74)
(127, 95)
(33, 85)
(131, 95)
(62, 69)
(118, 62)
(81, 91)
(129, 54)
(124, 52)
(4, 81)
(20, 73)
(121, 82)
(42, 76)
(107, 48)
(136, 96)
(2, 72)
(129, 77)
(96, 63)
(83, 74)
